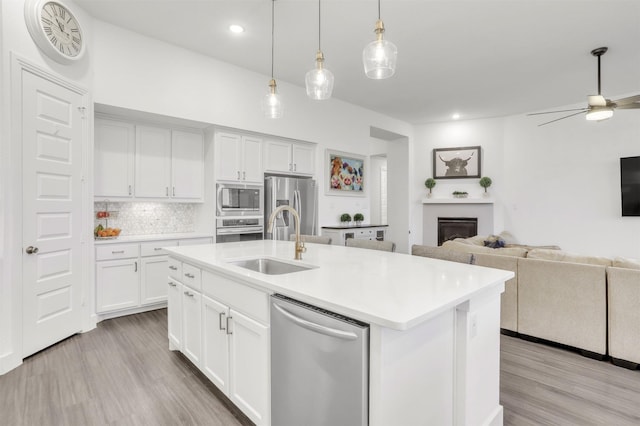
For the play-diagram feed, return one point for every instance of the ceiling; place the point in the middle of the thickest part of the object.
(478, 58)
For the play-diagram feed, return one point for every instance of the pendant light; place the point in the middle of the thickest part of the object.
(319, 81)
(272, 102)
(379, 56)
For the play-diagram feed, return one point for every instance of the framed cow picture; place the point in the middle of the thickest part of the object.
(345, 174)
(457, 163)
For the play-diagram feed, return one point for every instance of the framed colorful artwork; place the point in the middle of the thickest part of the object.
(345, 174)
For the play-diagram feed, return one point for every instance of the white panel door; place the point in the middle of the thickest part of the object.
(153, 280)
(52, 168)
(114, 158)
(249, 364)
(227, 156)
(187, 165)
(153, 162)
(252, 160)
(215, 344)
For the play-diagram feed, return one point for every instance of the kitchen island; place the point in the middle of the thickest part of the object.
(434, 325)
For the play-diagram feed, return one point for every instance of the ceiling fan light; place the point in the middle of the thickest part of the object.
(272, 102)
(599, 114)
(319, 81)
(380, 56)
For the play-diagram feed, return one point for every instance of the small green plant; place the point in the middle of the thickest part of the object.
(430, 183)
(358, 217)
(345, 217)
(485, 182)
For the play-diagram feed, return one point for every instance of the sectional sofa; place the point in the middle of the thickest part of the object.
(586, 302)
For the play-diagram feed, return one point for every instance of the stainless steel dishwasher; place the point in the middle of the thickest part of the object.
(319, 366)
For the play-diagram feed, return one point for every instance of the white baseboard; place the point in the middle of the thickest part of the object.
(496, 418)
(8, 362)
(109, 315)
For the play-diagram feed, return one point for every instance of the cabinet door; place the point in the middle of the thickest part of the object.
(191, 324)
(303, 159)
(174, 314)
(153, 162)
(249, 364)
(228, 148)
(117, 285)
(113, 158)
(153, 280)
(215, 344)
(277, 156)
(252, 160)
(187, 165)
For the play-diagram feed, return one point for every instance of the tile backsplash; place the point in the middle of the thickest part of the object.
(135, 218)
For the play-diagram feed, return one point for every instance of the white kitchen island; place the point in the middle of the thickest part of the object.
(434, 325)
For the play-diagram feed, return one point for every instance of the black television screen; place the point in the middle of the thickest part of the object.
(630, 185)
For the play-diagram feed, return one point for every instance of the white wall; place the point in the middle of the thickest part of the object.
(555, 184)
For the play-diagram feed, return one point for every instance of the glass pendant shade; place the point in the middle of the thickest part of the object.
(379, 57)
(600, 113)
(319, 81)
(272, 102)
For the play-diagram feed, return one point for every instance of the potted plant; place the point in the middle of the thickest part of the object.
(430, 183)
(460, 194)
(345, 218)
(358, 217)
(485, 182)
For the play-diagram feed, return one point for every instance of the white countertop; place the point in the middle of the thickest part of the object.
(152, 237)
(393, 290)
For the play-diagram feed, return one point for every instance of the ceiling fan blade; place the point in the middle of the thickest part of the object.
(562, 118)
(628, 103)
(562, 110)
(596, 100)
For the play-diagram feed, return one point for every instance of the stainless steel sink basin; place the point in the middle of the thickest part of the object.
(268, 266)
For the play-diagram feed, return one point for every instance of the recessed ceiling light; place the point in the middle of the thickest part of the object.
(455, 116)
(236, 29)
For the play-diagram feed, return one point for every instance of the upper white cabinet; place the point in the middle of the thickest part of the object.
(114, 158)
(289, 157)
(238, 158)
(187, 166)
(153, 162)
(148, 162)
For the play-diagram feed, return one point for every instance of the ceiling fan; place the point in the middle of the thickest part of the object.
(598, 108)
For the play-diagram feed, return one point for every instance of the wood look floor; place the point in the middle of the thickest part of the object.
(122, 373)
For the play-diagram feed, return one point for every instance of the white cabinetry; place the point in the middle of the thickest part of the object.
(114, 158)
(187, 166)
(238, 158)
(192, 324)
(174, 314)
(153, 162)
(289, 157)
(117, 285)
(339, 235)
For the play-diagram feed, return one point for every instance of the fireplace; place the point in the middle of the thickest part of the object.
(450, 228)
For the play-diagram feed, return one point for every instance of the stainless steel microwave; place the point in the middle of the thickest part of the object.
(238, 199)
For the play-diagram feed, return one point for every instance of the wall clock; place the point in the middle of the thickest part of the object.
(55, 30)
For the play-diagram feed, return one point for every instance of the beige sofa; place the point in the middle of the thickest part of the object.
(624, 312)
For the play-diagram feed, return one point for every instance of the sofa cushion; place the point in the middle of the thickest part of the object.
(478, 240)
(562, 256)
(470, 248)
(441, 253)
(623, 262)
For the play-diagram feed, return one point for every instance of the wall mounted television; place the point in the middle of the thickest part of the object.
(630, 185)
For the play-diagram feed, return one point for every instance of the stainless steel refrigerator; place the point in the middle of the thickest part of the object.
(299, 193)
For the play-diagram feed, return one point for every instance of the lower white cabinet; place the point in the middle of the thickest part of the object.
(215, 350)
(117, 285)
(174, 314)
(192, 324)
(153, 287)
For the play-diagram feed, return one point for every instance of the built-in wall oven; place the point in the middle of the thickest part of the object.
(230, 230)
(237, 199)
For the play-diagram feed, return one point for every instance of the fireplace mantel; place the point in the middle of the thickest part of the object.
(457, 201)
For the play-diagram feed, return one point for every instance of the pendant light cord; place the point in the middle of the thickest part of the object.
(318, 25)
(378, 10)
(273, 2)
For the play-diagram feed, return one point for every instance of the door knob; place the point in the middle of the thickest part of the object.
(31, 250)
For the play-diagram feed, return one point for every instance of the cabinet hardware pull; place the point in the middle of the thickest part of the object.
(157, 248)
(189, 275)
(229, 328)
(136, 266)
(220, 318)
(129, 189)
(290, 167)
(189, 294)
(244, 175)
(173, 268)
(172, 284)
(238, 174)
(117, 252)
(174, 191)
(295, 167)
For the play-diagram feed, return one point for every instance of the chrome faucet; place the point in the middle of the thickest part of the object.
(300, 248)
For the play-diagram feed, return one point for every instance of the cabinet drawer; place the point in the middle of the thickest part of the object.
(196, 241)
(154, 248)
(191, 276)
(116, 251)
(250, 301)
(175, 269)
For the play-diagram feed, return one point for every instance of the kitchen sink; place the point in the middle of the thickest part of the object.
(269, 266)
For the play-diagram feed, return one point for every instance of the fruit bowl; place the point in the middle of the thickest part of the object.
(101, 233)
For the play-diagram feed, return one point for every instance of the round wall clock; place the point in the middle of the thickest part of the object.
(55, 29)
